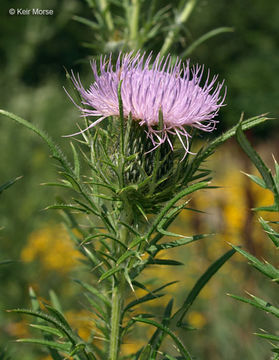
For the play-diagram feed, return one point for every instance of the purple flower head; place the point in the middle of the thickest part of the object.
(172, 88)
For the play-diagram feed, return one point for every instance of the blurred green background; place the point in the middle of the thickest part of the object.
(34, 53)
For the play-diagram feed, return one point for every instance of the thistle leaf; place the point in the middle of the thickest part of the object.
(180, 347)
(64, 347)
(50, 319)
(66, 207)
(97, 308)
(110, 273)
(190, 189)
(265, 268)
(158, 337)
(179, 242)
(126, 255)
(258, 303)
(268, 337)
(76, 162)
(9, 183)
(255, 158)
(95, 292)
(164, 262)
(150, 296)
(48, 330)
(257, 180)
(34, 300)
(272, 234)
(199, 285)
(204, 38)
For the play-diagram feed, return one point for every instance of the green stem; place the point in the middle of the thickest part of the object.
(118, 287)
(116, 310)
(104, 8)
(134, 23)
(180, 19)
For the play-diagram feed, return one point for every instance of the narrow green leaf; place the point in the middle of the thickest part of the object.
(190, 189)
(47, 336)
(142, 300)
(125, 256)
(97, 308)
(204, 38)
(150, 296)
(76, 162)
(158, 337)
(77, 349)
(64, 184)
(272, 234)
(93, 25)
(256, 180)
(110, 273)
(179, 242)
(202, 281)
(6, 262)
(276, 177)
(67, 207)
(164, 262)
(246, 124)
(266, 269)
(95, 259)
(258, 303)
(48, 330)
(178, 343)
(94, 291)
(9, 183)
(55, 301)
(129, 227)
(59, 316)
(48, 318)
(255, 158)
(205, 152)
(272, 208)
(72, 181)
(65, 347)
(34, 300)
(268, 336)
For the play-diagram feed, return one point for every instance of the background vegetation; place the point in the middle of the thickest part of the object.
(34, 52)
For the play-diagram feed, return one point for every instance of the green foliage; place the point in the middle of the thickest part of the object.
(133, 25)
(271, 183)
(150, 26)
(58, 337)
(9, 183)
(115, 255)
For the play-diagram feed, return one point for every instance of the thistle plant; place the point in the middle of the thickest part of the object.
(139, 167)
(270, 228)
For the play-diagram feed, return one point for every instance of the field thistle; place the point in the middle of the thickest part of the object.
(164, 102)
(172, 88)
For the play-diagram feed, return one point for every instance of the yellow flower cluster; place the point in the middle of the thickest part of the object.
(54, 249)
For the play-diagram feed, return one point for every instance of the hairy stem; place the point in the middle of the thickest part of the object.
(117, 305)
(119, 287)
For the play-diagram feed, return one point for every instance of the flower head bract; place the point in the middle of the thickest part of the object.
(172, 88)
